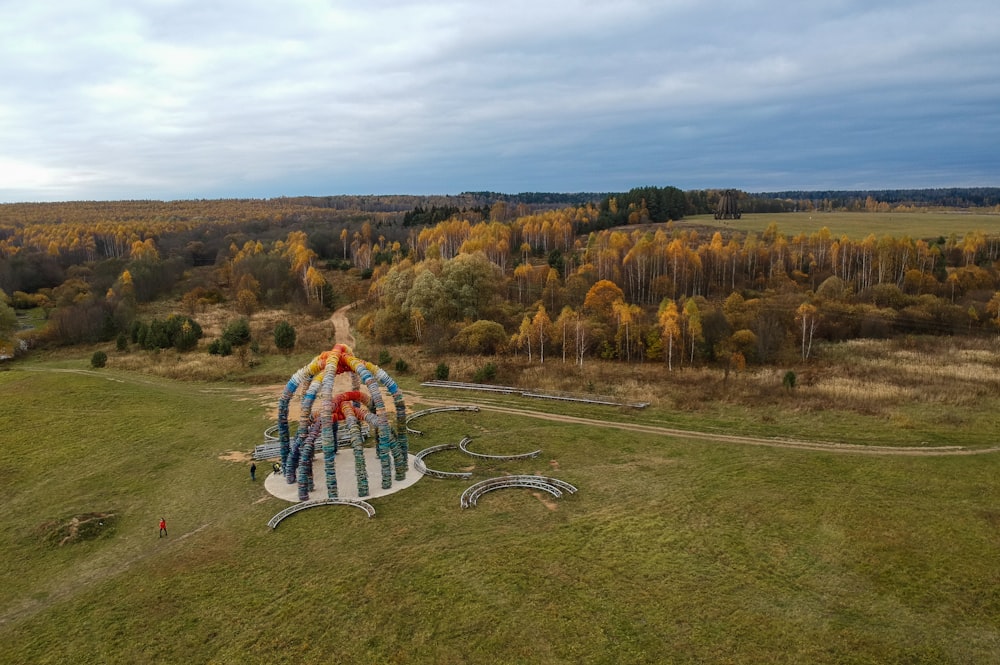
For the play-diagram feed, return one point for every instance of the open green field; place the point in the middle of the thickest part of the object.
(857, 225)
(674, 550)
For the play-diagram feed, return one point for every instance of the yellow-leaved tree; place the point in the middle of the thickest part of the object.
(145, 250)
(523, 335)
(314, 285)
(541, 326)
(993, 307)
(807, 318)
(625, 314)
(692, 321)
(296, 249)
(670, 329)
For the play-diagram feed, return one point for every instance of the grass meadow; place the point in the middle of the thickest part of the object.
(675, 550)
(857, 225)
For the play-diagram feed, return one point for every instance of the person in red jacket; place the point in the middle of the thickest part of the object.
(163, 527)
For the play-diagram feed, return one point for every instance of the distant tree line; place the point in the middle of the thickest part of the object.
(945, 197)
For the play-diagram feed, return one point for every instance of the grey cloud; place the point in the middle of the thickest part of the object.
(172, 99)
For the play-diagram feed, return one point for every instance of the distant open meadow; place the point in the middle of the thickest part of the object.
(857, 225)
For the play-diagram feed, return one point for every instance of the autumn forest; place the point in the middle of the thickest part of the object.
(639, 276)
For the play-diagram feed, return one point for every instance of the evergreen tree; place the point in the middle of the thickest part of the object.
(237, 333)
(284, 336)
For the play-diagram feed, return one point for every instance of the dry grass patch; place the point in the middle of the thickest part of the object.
(461, 368)
(842, 389)
(862, 374)
(964, 372)
(955, 364)
(312, 332)
(312, 335)
(192, 366)
(633, 383)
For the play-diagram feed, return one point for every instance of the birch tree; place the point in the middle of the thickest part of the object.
(541, 325)
(807, 318)
(692, 322)
(524, 334)
(670, 329)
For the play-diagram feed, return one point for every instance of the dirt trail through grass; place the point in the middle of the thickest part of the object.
(342, 327)
(821, 446)
(58, 593)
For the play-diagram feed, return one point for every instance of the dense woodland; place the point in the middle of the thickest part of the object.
(573, 276)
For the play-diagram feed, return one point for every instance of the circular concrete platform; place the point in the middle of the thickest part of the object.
(347, 481)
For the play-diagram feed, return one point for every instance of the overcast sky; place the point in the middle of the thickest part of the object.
(178, 99)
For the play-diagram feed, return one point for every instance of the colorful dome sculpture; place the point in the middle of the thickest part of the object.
(327, 419)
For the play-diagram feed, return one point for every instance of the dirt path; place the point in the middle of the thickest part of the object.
(342, 327)
(935, 451)
(341, 335)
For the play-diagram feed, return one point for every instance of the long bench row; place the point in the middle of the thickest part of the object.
(267, 451)
(553, 486)
(510, 390)
(294, 508)
(482, 387)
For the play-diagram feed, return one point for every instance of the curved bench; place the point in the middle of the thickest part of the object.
(472, 494)
(464, 443)
(553, 486)
(291, 510)
(421, 466)
(562, 485)
(436, 409)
